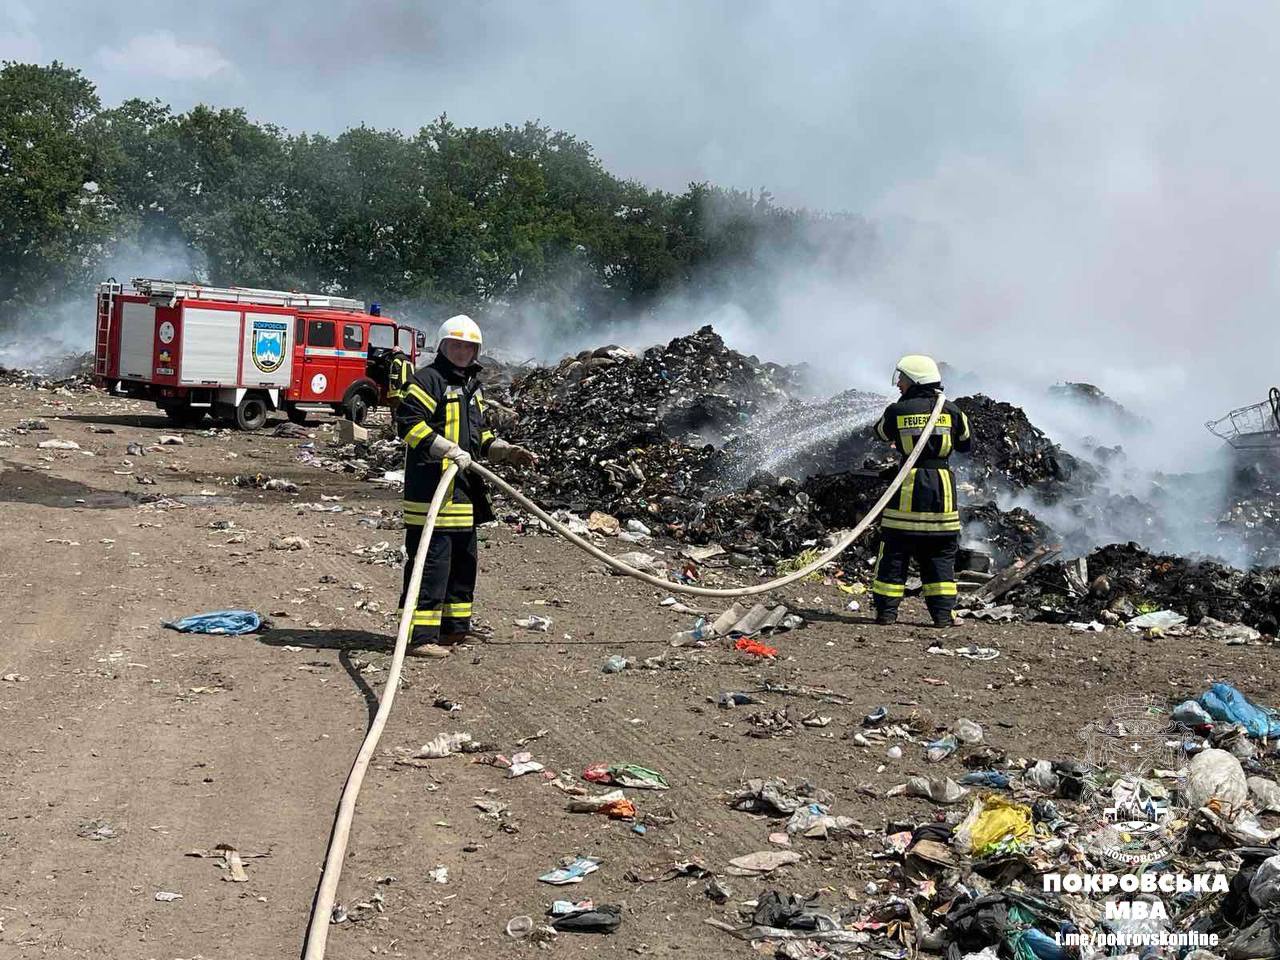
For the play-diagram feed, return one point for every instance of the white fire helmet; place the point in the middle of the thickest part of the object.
(918, 369)
(461, 328)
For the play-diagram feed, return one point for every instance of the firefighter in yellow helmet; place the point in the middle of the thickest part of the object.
(441, 417)
(923, 521)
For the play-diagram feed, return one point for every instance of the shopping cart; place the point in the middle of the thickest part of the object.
(1255, 427)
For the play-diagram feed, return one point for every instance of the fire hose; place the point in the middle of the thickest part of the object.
(326, 894)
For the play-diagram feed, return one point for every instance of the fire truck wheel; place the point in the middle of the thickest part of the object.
(358, 408)
(251, 414)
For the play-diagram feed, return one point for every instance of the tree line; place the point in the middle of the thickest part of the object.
(449, 218)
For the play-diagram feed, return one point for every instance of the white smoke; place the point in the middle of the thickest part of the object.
(46, 334)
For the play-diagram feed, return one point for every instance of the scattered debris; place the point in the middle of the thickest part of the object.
(534, 622)
(572, 870)
(219, 622)
(446, 745)
(762, 862)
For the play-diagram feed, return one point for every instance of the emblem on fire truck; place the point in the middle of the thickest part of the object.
(268, 345)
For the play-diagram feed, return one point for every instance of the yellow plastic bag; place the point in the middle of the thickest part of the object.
(995, 825)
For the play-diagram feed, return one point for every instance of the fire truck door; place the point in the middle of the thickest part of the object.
(320, 369)
(353, 356)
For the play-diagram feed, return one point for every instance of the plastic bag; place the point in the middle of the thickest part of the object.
(1225, 702)
(637, 777)
(1264, 888)
(937, 789)
(220, 622)
(1265, 793)
(994, 825)
(1215, 776)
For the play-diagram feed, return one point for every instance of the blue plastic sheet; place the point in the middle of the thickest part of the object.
(985, 778)
(218, 622)
(1225, 702)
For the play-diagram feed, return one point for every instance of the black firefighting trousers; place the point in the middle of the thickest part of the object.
(936, 557)
(448, 583)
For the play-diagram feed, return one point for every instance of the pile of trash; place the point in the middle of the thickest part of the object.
(712, 448)
(1094, 400)
(635, 435)
(1008, 535)
(1010, 453)
(1165, 828)
(1252, 513)
(71, 372)
(1120, 582)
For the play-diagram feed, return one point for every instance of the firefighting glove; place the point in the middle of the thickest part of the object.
(502, 452)
(442, 448)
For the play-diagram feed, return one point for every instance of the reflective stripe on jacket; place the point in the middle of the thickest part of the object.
(927, 502)
(442, 399)
(401, 374)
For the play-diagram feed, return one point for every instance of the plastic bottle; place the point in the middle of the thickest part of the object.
(691, 638)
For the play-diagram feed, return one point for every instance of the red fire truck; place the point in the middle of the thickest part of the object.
(239, 353)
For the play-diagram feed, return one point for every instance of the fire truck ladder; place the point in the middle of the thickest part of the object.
(166, 292)
(102, 336)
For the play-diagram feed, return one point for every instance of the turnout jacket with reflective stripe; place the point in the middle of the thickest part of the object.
(926, 503)
(442, 399)
(400, 374)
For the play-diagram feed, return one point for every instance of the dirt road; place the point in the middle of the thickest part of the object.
(125, 745)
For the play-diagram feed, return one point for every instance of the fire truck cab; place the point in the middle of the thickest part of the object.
(238, 353)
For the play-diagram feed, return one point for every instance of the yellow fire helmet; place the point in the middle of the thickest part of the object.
(461, 328)
(918, 369)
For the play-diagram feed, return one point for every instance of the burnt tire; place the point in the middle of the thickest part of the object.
(251, 413)
(297, 416)
(357, 408)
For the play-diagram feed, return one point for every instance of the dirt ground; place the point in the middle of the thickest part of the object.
(179, 742)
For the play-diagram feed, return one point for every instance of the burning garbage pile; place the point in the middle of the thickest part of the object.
(1252, 513)
(707, 446)
(1122, 582)
(635, 435)
(71, 372)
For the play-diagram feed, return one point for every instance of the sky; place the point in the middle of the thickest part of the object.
(1077, 190)
(827, 104)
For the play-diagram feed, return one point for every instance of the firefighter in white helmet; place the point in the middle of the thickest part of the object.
(923, 521)
(441, 417)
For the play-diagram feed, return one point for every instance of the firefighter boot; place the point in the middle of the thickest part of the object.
(886, 614)
(942, 616)
(428, 651)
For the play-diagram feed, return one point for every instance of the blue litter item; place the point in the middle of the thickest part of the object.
(573, 873)
(1225, 702)
(219, 622)
(985, 778)
(1034, 944)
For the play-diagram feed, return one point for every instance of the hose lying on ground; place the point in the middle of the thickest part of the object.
(322, 909)
(326, 895)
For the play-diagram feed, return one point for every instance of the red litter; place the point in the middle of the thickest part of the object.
(755, 648)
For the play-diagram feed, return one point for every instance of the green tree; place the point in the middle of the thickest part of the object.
(54, 158)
